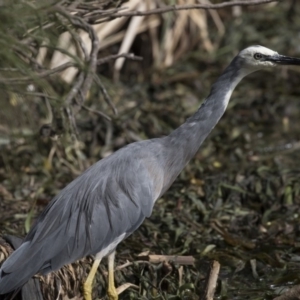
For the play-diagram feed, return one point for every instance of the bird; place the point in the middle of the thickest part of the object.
(111, 199)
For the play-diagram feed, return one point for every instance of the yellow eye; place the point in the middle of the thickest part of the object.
(258, 56)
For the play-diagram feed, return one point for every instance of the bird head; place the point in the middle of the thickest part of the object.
(258, 57)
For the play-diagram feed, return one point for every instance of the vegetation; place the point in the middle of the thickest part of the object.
(237, 202)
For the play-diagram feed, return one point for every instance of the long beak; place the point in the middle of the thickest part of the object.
(283, 60)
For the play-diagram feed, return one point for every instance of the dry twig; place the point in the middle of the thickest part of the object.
(211, 282)
(188, 7)
(177, 259)
(116, 56)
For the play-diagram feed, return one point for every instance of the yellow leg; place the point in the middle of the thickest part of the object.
(112, 292)
(87, 286)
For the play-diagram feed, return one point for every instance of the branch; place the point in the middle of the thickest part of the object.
(106, 95)
(39, 75)
(75, 89)
(116, 56)
(188, 7)
(96, 112)
(177, 259)
(92, 65)
(211, 281)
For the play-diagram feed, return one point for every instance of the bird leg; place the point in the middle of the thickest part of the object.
(87, 286)
(112, 292)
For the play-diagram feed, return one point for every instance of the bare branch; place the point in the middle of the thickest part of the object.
(80, 23)
(106, 95)
(76, 15)
(177, 259)
(188, 7)
(72, 121)
(38, 75)
(77, 38)
(75, 89)
(211, 282)
(116, 56)
(97, 112)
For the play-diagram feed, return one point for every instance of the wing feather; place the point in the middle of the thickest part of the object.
(109, 200)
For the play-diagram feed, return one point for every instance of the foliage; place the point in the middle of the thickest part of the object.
(236, 202)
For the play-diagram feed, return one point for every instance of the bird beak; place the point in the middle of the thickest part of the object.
(283, 60)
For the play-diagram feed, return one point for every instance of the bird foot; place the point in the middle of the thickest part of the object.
(112, 293)
(87, 291)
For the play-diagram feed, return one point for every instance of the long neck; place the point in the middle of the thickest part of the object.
(187, 138)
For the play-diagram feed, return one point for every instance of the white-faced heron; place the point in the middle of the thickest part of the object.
(111, 199)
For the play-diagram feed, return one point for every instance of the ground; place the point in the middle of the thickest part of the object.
(237, 201)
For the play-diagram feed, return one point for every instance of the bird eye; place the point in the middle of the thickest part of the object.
(258, 56)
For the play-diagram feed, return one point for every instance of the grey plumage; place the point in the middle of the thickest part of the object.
(110, 200)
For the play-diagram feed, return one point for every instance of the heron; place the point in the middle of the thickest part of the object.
(111, 199)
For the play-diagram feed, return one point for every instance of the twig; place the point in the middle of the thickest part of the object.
(157, 259)
(116, 56)
(71, 95)
(101, 13)
(93, 62)
(106, 95)
(181, 260)
(188, 7)
(78, 40)
(97, 112)
(10, 69)
(128, 264)
(211, 282)
(75, 89)
(72, 121)
(125, 286)
(39, 75)
(27, 56)
(92, 65)
(37, 94)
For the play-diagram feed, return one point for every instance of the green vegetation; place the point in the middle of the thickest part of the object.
(238, 200)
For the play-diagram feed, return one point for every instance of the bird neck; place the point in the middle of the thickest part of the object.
(187, 139)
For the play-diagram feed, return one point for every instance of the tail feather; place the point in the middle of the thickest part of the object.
(15, 295)
(17, 259)
(29, 259)
(24, 263)
(16, 270)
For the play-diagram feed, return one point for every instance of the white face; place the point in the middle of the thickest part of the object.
(248, 55)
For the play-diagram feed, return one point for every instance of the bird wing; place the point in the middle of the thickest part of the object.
(109, 200)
